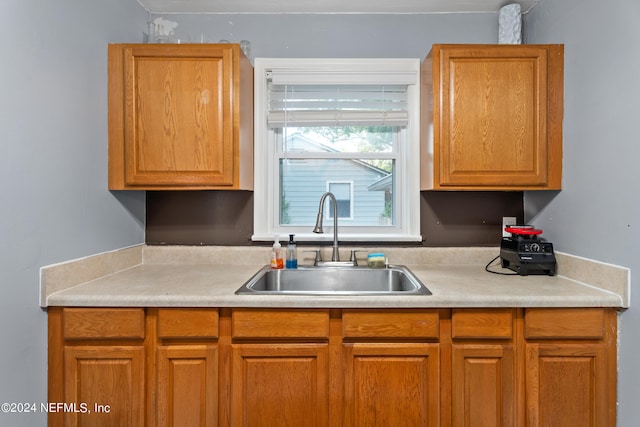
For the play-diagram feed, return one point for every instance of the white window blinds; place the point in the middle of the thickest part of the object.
(337, 97)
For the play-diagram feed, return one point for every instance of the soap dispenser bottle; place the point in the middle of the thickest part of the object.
(277, 261)
(292, 253)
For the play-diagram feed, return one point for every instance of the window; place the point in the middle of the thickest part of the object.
(348, 126)
(344, 198)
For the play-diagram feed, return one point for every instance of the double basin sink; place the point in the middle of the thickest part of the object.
(330, 281)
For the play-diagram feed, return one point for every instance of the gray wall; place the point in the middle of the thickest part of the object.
(298, 36)
(596, 212)
(53, 152)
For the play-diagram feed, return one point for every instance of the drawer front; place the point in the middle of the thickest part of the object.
(87, 323)
(187, 323)
(386, 324)
(564, 323)
(292, 324)
(482, 324)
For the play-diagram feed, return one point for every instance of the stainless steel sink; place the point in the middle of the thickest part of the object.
(394, 280)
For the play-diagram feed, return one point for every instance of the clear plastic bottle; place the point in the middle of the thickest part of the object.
(277, 261)
(292, 253)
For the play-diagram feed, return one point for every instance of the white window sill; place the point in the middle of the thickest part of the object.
(327, 236)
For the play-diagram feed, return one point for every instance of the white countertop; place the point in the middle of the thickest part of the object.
(173, 283)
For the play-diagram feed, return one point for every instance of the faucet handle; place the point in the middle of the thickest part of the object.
(317, 258)
(353, 257)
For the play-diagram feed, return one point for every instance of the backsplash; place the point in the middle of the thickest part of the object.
(471, 218)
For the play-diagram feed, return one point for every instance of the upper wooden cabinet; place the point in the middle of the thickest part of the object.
(180, 117)
(492, 117)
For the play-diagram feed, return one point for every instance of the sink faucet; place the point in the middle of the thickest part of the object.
(335, 256)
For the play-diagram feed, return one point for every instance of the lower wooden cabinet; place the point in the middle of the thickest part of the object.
(328, 367)
(279, 368)
(183, 385)
(566, 385)
(280, 385)
(391, 368)
(187, 385)
(570, 367)
(97, 363)
(104, 385)
(392, 384)
(483, 385)
(484, 370)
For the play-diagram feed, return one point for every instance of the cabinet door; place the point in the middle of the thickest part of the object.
(483, 385)
(177, 116)
(389, 384)
(484, 379)
(187, 385)
(497, 116)
(566, 385)
(109, 380)
(283, 385)
(174, 117)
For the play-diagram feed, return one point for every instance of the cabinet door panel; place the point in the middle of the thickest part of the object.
(497, 117)
(111, 376)
(175, 116)
(392, 385)
(566, 385)
(496, 114)
(283, 385)
(483, 385)
(180, 117)
(187, 385)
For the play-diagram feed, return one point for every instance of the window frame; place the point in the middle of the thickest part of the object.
(266, 187)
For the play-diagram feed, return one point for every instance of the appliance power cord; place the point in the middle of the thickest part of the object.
(486, 267)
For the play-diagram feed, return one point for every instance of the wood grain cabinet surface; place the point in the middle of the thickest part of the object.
(184, 382)
(326, 367)
(391, 370)
(570, 367)
(279, 368)
(97, 362)
(492, 117)
(180, 117)
(484, 369)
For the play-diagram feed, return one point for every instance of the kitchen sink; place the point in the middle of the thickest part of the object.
(393, 280)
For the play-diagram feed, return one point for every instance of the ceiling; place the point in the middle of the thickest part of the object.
(330, 6)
